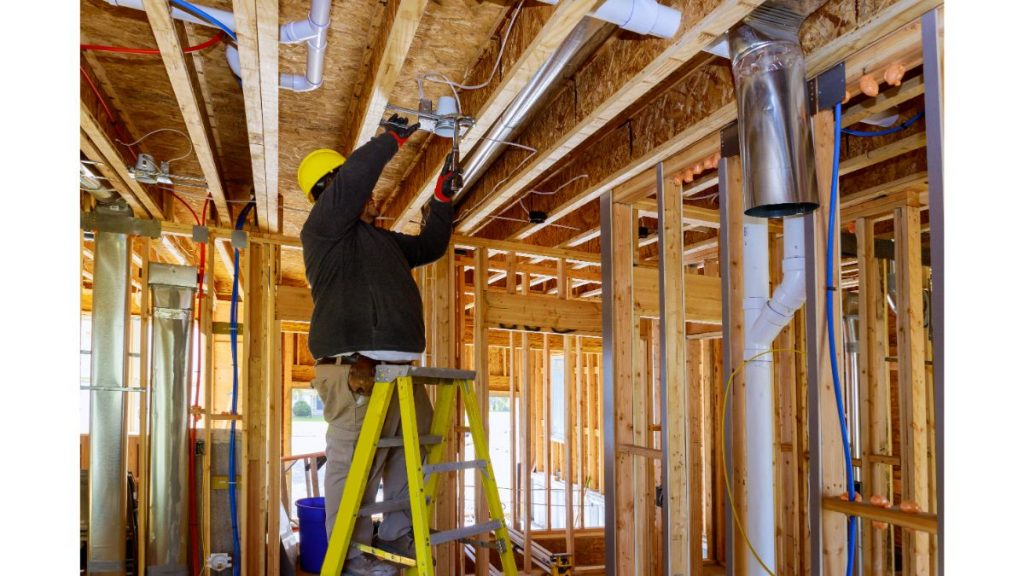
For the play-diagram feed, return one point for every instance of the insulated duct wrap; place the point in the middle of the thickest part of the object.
(774, 131)
(108, 468)
(172, 290)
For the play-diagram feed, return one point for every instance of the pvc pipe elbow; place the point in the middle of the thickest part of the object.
(297, 83)
(297, 31)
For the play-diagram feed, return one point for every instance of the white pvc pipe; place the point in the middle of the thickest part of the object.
(758, 448)
(312, 31)
(641, 16)
(763, 319)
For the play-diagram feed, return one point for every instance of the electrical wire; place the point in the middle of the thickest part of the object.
(186, 205)
(189, 7)
(103, 103)
(157, 131)
(232, 464)
(830, 289)
(443, 79)
(152, 51)
(866, 133)
(555, 191)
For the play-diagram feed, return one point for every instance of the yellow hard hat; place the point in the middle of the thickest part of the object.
(315, 166)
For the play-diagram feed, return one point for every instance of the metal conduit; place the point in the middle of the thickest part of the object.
(172, 288)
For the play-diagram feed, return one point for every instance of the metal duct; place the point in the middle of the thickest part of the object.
(108, 467)
(774, 132)
(562, 64)
(172, 289)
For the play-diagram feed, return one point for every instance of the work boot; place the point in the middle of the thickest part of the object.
(366, 565)
(403, 545)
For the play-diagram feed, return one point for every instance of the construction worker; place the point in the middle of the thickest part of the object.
(366, 311)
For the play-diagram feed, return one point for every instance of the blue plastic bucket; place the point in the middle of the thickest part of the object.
(312, 533)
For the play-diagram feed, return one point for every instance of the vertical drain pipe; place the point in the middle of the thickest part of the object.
(108, 468)
(172, 288)
(778, 181)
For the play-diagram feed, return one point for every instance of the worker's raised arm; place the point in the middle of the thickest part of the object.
(339, 206)
(433, 239)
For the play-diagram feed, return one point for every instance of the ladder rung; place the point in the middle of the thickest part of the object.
(454, 466)
(398, 442)
(464, 532)
(390, 372)
(385, 507)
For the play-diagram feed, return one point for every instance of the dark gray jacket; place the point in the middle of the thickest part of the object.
(364, 296)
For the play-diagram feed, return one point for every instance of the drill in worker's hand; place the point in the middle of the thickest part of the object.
(450, 180)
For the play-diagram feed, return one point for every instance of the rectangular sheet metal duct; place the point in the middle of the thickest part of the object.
(172, 289)
(107, 440)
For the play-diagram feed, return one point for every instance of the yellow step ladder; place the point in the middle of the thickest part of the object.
(424, 475)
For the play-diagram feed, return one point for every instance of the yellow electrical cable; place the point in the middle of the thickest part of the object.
(728, 485)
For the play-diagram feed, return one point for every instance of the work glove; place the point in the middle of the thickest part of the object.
(399, 128)
(449, 182)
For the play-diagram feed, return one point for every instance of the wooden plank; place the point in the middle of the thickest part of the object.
(645, 183)
(275, 406)
(679, 52)
(910, 346)
(833, 475)
(676, 483)
(256, 24)
(907, 90)
(390, 49)
(731, 169)
(915, 523)
(480, 359)
(703, 296)
(848, 201)
(882, 208)
(98, 147)
(876, 479)
(526, 455)
(526, 249)
(568, 378)
(623, 229)
(883, 153)
(563, 19)
(159, 14)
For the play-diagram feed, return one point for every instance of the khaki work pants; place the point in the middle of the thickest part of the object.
(344, 412)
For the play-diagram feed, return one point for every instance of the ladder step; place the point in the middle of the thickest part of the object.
(385, 507)
(389, 372)
(454, 466)
(464, 532)
(398, 442)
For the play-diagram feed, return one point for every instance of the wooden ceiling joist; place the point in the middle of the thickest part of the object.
(401, 19)
(563, 19)
(257, 28)
(678, 53)
(159, 14)
(98, 147)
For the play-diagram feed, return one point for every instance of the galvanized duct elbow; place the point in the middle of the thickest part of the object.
(774, 132)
